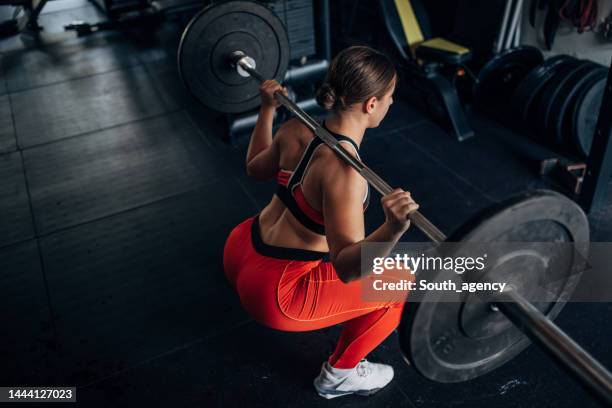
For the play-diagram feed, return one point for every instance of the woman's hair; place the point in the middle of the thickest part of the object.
(356, 74)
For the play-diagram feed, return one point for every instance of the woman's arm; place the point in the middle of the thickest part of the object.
(344, 228)
(263, 153)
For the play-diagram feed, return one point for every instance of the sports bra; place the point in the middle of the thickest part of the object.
(289, 187)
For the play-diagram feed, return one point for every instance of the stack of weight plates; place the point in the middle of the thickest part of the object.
(558, 102)
(498, 79)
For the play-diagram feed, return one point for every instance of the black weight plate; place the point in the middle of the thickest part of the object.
(217, 31)
(565, 95)
(531, 85)
(453, 341)
(576, 104)
(498, 79)
(586, 113)
(538, 115)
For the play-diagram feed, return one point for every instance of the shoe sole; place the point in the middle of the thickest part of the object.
(336, 394)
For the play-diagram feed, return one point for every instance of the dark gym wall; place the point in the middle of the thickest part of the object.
(477, 24)
(473, 23)
(441, 16)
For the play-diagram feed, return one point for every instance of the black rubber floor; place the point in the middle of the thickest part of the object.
(3, 82)
(116, 197)
(7, 131)
(27, 345)
(88, 104)
(118, 169)
(74, 58)
(268, 369)
(15, 213)
(141, 283)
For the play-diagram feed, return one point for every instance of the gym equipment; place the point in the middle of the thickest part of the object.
(308, 29)
(122, 14)
(499, 78)
(567, 96)
(585, 113)
(238, 25)
(545, 216)
(433, 64)
(510, 31)
(292, 57)
(599, 161)
(530, 86)
(552, 21)
(557, 102)
(606, 28)
(25, 17)
(543, 108)
(453, 342)
(582, 14)
(299, 24)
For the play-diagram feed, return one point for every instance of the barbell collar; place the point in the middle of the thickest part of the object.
(238, 59)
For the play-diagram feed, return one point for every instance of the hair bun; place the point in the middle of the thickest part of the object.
(326, 96)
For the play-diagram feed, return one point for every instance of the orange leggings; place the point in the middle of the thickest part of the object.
(297, 290)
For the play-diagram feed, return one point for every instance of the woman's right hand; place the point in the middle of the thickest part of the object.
(398, 205)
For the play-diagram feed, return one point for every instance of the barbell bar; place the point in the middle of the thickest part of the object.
(556, 342)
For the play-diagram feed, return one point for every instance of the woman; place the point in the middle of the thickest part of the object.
(296, 265)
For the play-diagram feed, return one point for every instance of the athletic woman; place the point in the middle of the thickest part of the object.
(296, 264)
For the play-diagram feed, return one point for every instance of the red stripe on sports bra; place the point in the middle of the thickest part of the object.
(310, 212)
(283, 176)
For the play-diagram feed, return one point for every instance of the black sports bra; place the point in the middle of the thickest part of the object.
(289, 187)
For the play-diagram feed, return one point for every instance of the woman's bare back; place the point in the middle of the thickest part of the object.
(278, 226)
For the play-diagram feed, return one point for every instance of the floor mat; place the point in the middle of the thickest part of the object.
(7, 131)
(27, 341)
(92, 176)
(432, 186)
(142, 283)
(76, 58)
(249, 365)
(15, 216)
(83, 105)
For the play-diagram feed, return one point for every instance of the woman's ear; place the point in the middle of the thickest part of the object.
(370, 104)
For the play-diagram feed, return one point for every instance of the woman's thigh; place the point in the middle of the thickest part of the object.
(318, 298)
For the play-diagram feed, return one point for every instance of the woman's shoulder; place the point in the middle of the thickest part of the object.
(335, 170)
(292, 135)
(295, 127)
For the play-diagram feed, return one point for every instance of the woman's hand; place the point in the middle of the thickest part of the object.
(398, 205)
(267, 90)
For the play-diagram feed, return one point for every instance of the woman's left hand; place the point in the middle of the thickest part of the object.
(267, 90)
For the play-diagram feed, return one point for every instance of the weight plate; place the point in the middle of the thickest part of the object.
(498, 79)
(539, 114)
(217, 31)
(566, 94)
(586, 113)
(531, 85)
(453, 341)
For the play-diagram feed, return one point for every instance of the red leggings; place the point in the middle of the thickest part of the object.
(296, 290)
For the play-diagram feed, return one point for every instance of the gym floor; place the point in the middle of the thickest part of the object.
(116, 196)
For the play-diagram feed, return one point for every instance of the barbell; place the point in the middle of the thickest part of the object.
(227, 44)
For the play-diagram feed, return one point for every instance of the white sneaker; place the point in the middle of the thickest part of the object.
(365, 379)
